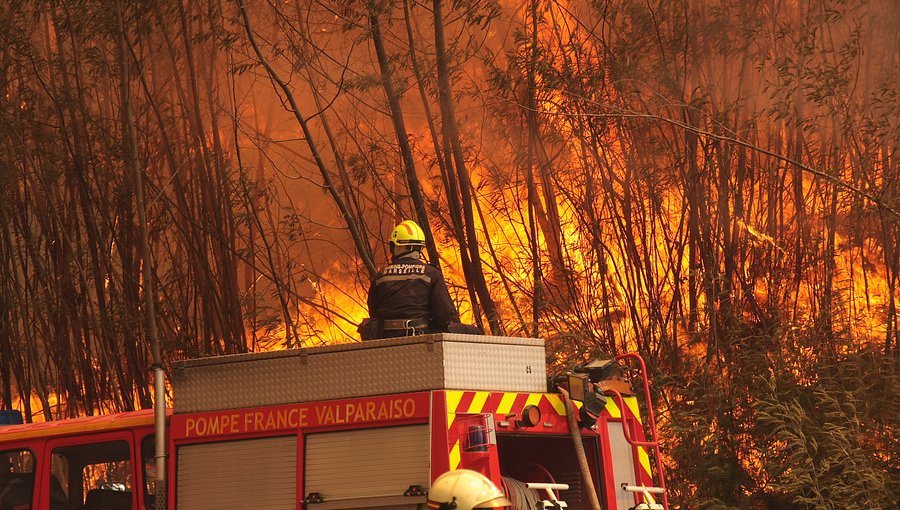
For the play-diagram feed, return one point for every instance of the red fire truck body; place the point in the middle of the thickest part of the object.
(251, 431)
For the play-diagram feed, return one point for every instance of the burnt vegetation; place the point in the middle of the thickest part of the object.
(711, 183)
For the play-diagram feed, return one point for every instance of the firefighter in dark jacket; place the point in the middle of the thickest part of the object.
(409, 297)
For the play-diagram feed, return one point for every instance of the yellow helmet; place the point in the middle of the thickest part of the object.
(464, 489)
(408, 233)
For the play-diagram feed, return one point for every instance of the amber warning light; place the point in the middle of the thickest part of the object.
(531, 416)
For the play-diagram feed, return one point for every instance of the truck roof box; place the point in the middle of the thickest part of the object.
(375, 367)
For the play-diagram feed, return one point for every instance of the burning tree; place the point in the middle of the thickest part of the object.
(712, 184)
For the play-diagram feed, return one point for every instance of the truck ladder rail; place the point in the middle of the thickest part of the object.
(654, 440)
(553, 501)
(648, 492)
(641, 488)
(620, 401)
(649, 503)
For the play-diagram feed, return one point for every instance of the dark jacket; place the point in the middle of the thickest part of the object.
(411, 289)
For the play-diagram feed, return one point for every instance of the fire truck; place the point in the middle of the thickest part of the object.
(356, 426)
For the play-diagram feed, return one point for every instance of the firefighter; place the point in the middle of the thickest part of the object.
(464, 489)
(408, 297)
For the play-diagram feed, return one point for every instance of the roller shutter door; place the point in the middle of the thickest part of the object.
(369, 468)
(252, 473)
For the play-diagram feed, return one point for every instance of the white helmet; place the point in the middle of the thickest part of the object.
(464, 489)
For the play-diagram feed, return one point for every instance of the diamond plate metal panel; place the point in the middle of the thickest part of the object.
(376, 367)
(494, 367)
(486, 339)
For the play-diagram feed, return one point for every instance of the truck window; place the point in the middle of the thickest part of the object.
(16, 479)
(91, 477)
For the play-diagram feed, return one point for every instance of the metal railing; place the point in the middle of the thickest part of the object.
(651, 418)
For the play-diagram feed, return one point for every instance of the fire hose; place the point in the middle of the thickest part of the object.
(519, 495)
(575, 431)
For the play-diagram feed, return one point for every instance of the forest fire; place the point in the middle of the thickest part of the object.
(711, 184)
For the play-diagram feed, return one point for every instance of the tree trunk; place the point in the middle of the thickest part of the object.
(450, 129)
(412, 179)
(532, 197)
(358, 239)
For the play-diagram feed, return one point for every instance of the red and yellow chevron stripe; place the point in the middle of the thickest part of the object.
(507, 406)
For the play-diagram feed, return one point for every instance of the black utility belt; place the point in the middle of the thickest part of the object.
(398, 324)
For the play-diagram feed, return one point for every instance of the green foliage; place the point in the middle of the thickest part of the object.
(829, 440)
(782, 431)
(701, 426)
